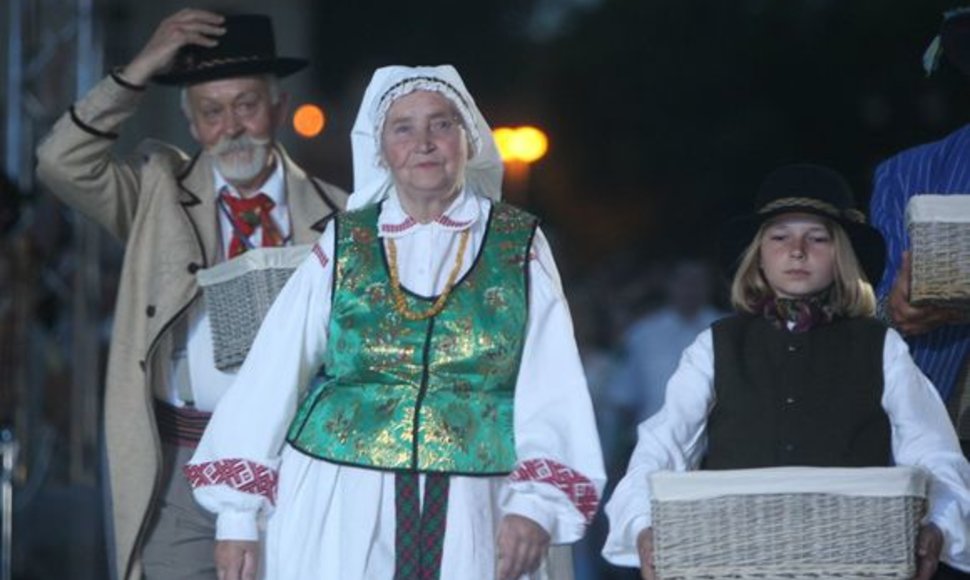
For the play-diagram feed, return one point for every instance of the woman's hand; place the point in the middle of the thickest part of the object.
(522, 544)
(909, 319)
(237, 559)
(645, 550)
(188, 26)
(929, 543)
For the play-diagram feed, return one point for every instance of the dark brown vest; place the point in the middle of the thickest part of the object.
(812, 398)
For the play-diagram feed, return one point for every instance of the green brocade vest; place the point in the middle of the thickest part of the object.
(432, 395)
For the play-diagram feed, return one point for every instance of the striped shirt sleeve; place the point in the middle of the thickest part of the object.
(941, 167)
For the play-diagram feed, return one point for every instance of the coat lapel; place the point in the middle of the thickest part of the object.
(198, 199)
(309, 205)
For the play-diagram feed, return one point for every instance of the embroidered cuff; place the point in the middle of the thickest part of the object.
(577, 487)
(239, 474)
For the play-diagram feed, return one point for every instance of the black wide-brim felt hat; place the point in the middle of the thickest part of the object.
(811, 189)
(955, 39)
(247, 48)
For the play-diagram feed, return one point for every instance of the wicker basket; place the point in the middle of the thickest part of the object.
(939, 234)
(791, 522)
(238, 293)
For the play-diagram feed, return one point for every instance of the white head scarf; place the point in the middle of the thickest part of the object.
(372, 179)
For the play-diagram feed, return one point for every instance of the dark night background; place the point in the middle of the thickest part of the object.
(663, 116)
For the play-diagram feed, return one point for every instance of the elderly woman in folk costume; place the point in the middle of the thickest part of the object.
(414, 405)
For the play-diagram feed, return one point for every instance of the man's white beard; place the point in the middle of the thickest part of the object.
(241, 159)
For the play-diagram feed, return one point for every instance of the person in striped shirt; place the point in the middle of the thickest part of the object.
(939, 338)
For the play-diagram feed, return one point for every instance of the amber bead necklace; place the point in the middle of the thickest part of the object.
(397, 294)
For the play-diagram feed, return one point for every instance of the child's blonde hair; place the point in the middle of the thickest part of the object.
(851, 296)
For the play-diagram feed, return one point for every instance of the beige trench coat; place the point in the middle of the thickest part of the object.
(161, 205)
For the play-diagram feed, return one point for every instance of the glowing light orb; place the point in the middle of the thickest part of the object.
(309, 121)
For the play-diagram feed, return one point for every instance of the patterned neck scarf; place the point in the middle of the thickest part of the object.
(248, 214)
(802, 313)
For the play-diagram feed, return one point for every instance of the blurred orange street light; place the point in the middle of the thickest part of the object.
(520, 147)
(309, 120)
(522, 144)
(503, 140)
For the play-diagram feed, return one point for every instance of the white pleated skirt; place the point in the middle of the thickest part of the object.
(334, 521)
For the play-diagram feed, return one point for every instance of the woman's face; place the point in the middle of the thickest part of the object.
(424, 146)
(797, 255)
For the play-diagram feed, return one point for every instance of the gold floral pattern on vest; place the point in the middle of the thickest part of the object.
(432, 395)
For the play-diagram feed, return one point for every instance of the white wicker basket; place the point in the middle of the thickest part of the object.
(239, 292)
(789, 522)
(939, 235)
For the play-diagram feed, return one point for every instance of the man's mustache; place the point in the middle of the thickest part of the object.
(238, 144)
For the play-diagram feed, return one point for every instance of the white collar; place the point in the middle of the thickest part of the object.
(273, 186)
(394, 222)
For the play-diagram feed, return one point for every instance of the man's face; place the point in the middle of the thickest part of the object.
(235, 120)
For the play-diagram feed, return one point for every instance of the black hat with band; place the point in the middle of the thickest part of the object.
(811, 189)
(247, 48)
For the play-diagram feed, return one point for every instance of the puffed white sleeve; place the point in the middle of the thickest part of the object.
(923, 436)
(674, 439)
(559, 475)
(233, 472)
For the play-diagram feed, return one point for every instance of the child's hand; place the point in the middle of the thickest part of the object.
(929, 543)
(645, 549)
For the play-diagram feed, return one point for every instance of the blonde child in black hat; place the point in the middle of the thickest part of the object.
(802, 374)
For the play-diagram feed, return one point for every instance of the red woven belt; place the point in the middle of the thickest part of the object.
(182, 426)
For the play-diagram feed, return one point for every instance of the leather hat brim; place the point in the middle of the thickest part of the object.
(281, 67)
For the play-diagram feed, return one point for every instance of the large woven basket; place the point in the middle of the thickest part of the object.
(939, 234)
(239, 292)
(792, 522)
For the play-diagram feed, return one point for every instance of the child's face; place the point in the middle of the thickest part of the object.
(797, 255)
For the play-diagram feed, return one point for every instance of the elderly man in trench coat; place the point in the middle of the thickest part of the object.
(177, 214)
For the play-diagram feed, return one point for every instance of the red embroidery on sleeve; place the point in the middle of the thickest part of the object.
(236, 473)
(579, 489)
(318, 252)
